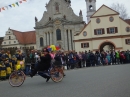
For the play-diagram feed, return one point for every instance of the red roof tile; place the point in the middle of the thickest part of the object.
(128, 21)
(28, 37)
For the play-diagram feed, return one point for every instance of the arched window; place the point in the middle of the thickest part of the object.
(58, 34)
(9, 37)
(57, 7)
(41, 41)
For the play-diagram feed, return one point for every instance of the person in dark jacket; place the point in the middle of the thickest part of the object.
(60, 60)
(92, 59)
(44, 64)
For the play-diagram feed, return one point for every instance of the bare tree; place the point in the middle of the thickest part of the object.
(121, 9)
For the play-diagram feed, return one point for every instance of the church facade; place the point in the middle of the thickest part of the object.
(58, 25)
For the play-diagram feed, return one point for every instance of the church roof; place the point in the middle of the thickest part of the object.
(28, 37)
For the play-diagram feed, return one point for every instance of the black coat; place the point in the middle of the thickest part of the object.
(58, 59)
(45, 62)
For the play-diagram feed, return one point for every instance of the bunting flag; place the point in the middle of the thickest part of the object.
(17, 3)
(20, 1)
(12, 5)
(3, 8)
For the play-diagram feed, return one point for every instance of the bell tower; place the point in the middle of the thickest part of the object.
(91, 8)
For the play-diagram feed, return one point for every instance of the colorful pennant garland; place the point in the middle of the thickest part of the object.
(12, 5)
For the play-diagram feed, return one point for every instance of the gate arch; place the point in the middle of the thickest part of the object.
(103, 44)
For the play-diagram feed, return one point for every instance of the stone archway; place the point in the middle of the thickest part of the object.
(107, 46)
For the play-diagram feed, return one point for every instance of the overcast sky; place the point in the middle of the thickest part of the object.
(22, 18)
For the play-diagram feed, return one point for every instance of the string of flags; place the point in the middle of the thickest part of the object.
(12, 5)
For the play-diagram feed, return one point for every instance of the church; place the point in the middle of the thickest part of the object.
(58, 25)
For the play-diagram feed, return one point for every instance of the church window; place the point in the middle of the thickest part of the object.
(4, 42)
(9, 37)
(58, 34)
(14, 41)
(127, 29)
(111, 19)
(90, 0)
(41, 41)
(57, 7)
(90, 7)
(98, 20)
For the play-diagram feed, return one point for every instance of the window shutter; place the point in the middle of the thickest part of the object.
(82, 45)
(126, 41)
(87, 44)
(103, 31)
(95, 32)
(116, 30)
(107, 30)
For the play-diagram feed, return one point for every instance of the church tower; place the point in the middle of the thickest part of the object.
(91, 8)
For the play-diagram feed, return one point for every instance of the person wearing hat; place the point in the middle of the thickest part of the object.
(43, 65)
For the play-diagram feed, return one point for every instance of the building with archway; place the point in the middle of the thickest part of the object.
(105, 29)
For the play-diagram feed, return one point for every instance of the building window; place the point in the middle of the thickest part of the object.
(127, 41)
(84, 45)
(58, 34)
(99, 31)
(4, 42)
(9, 42)
(14, 41)
(111, 19)
(57, 7)
(41, 41)
(9, 37)
(127, 29)
(84, 33)
(112, 30)
(31, 47)
(98, 20)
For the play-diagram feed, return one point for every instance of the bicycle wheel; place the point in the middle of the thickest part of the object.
(16, 79)
(56, 74)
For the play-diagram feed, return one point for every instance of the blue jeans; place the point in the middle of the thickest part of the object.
(27, 69)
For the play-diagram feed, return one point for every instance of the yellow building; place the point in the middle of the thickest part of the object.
(105, 31)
